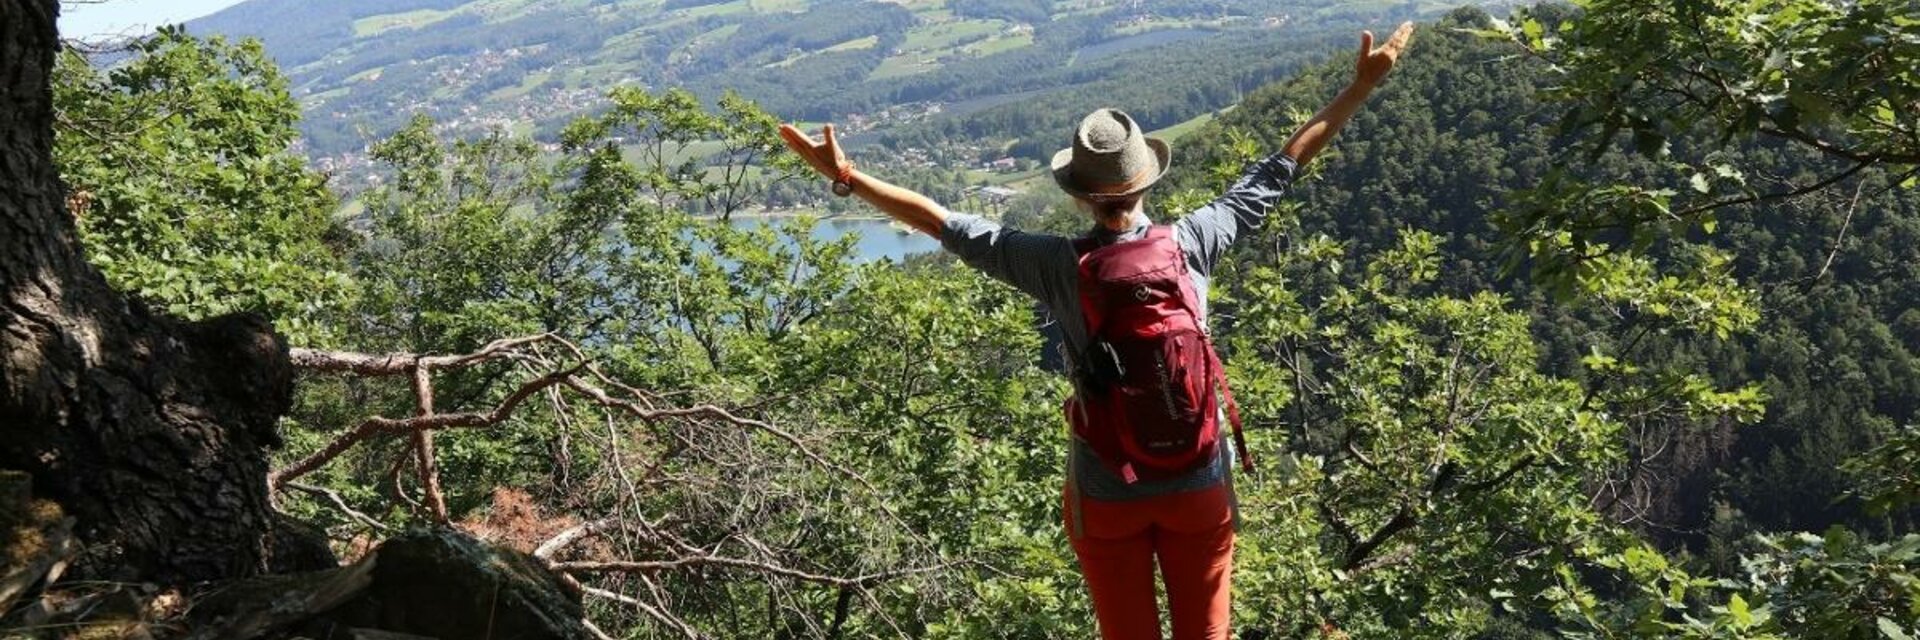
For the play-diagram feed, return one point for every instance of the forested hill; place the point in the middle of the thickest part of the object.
(362, 67)
(1460, 125)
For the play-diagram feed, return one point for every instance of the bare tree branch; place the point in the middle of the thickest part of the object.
(395, 364)
(575, 534)
(1824, 183)
(565, 376)
(663, 617)
(340, 503)
(423, 445)
(655, 566)
(601, 397)
(388, 426)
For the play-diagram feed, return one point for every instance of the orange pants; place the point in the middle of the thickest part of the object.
(1191, 534)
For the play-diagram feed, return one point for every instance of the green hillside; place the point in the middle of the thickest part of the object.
(361, 68)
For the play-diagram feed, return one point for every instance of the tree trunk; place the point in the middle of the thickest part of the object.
(152, 432)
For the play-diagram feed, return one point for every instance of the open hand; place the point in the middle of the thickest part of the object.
(825, 157)
(1376, 62)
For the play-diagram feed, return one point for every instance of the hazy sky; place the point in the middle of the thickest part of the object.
(114, 17)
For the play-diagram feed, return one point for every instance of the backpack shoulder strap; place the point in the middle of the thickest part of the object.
(1189, 297)
(1084, 245)
(1233, 408)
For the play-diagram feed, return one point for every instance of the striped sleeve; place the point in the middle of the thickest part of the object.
(1031, 262)
(1210, 230)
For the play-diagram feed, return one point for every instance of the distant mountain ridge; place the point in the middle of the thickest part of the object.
(363, 66)
(300, 31)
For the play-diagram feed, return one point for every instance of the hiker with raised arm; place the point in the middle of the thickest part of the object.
(1150, 475)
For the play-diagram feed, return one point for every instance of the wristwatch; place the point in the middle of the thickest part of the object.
(843, 183)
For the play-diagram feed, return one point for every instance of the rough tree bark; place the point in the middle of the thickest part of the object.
(151, 431)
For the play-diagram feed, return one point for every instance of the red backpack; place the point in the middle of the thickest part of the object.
(1147, 401)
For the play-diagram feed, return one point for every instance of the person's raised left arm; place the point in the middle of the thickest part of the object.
(1370, 69)
(1211, 229)
(1030, 262)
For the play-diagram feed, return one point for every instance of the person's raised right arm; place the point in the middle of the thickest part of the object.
(900, 203)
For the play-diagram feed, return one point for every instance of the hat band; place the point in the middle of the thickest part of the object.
(1138, 180)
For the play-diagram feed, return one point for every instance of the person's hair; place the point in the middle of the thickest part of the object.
(1111, 207)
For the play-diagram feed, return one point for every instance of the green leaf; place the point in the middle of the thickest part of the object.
(1737, 607)
(1810, 105)
(1700, 183)
(1891, 630)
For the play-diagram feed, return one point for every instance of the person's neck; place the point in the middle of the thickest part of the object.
(1122, 223)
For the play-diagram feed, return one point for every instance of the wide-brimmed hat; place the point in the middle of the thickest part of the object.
(1110, 158)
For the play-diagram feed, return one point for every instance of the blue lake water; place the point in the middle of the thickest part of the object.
(878, 239)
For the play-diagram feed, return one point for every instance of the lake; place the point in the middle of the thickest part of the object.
(879, 239)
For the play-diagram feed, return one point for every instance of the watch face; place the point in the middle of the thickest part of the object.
(842, 189)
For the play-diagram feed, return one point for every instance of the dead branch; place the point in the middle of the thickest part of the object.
(339, 502)
(394, 364)
(426, 420)
(655, 566)
(423, 445)
(566, 377)
(396, 484)
(1840, 240)
(1398, 556)
(662, 617)
(595, 630)
(600, 397)
(379, 425)
(575, 534)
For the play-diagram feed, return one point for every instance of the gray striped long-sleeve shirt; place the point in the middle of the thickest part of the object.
(1045, 266)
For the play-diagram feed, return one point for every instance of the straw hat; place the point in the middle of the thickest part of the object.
(1110, 158)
